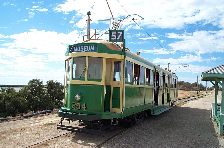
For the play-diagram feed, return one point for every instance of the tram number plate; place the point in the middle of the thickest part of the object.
(116, 35)
(79, 106)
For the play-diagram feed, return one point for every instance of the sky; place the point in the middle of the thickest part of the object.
(34, 35)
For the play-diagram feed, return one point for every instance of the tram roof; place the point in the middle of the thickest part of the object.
(109, 45)
(147, 62)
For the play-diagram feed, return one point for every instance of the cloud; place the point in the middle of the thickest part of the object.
(8, 4)
(2, 36)
(35, 54)
(38, 8)
(199, 42)
(163, 13)
(157, 51)
(186, 59)
(35, 9)
(149, 38)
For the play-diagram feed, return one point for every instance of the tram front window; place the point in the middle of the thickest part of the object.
(67, 69)
(95, 68)
(79, 68)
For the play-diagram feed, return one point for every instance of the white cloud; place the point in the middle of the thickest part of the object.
(157, 51)
(149, 38)
(35, 54)
(2, 36)
(161, 13)
(35, 9)
(186, 59)
(199, 42)
(186, 68)
(38, 8)
(8, 4)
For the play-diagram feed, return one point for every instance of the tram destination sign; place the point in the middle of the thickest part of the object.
(82, 48)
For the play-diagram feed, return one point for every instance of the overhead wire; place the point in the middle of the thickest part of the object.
(146, 32)
(137, 23)
(110, 10)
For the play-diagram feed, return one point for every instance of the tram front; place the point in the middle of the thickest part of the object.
(94, 81)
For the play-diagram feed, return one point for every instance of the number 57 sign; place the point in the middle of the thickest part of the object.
(116, 35)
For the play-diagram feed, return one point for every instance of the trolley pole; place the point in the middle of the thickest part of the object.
(88, 25)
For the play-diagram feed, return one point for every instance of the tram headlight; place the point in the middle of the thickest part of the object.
(77, 97)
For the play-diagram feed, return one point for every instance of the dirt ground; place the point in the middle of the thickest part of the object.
(188, 125)
(185, 94)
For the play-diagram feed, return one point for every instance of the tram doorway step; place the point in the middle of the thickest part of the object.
(160, 109)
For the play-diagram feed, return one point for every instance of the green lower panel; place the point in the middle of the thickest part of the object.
(148, 95)
(92, 98)
(107, 98)
(133, 110)
(116, 97)
(134, 96)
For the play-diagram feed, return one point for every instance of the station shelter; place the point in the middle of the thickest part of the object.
(216, 77)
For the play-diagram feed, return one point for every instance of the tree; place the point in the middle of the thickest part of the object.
(2, 103)
(10, 102)
(54, 93)
(35, 95)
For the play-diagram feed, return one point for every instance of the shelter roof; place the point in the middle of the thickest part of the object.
(214, 74)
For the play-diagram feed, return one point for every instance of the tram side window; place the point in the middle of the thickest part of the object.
(95, 66)
(142, 76)
(117, 71)
(79, 68)
(136, 73)
(161, 81)
(151, 77)
(148, 73)
(175, 83)
(128, 72)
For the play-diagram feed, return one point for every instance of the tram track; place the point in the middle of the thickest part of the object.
(181, 101)
(80, 130)
(48, 139)
(111, 137)
(106, 135)
(27, 116)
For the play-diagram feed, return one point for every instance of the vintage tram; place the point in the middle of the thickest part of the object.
(105, 81)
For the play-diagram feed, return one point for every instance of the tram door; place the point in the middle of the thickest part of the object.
(117, 81)
(156, 88)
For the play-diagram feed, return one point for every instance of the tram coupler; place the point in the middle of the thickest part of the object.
(114, 122)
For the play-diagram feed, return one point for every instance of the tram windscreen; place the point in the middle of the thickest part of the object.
(95, 68)
(67, 69)
(79, 68)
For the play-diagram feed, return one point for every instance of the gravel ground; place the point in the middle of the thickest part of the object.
(186, 126)
(22, 133)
